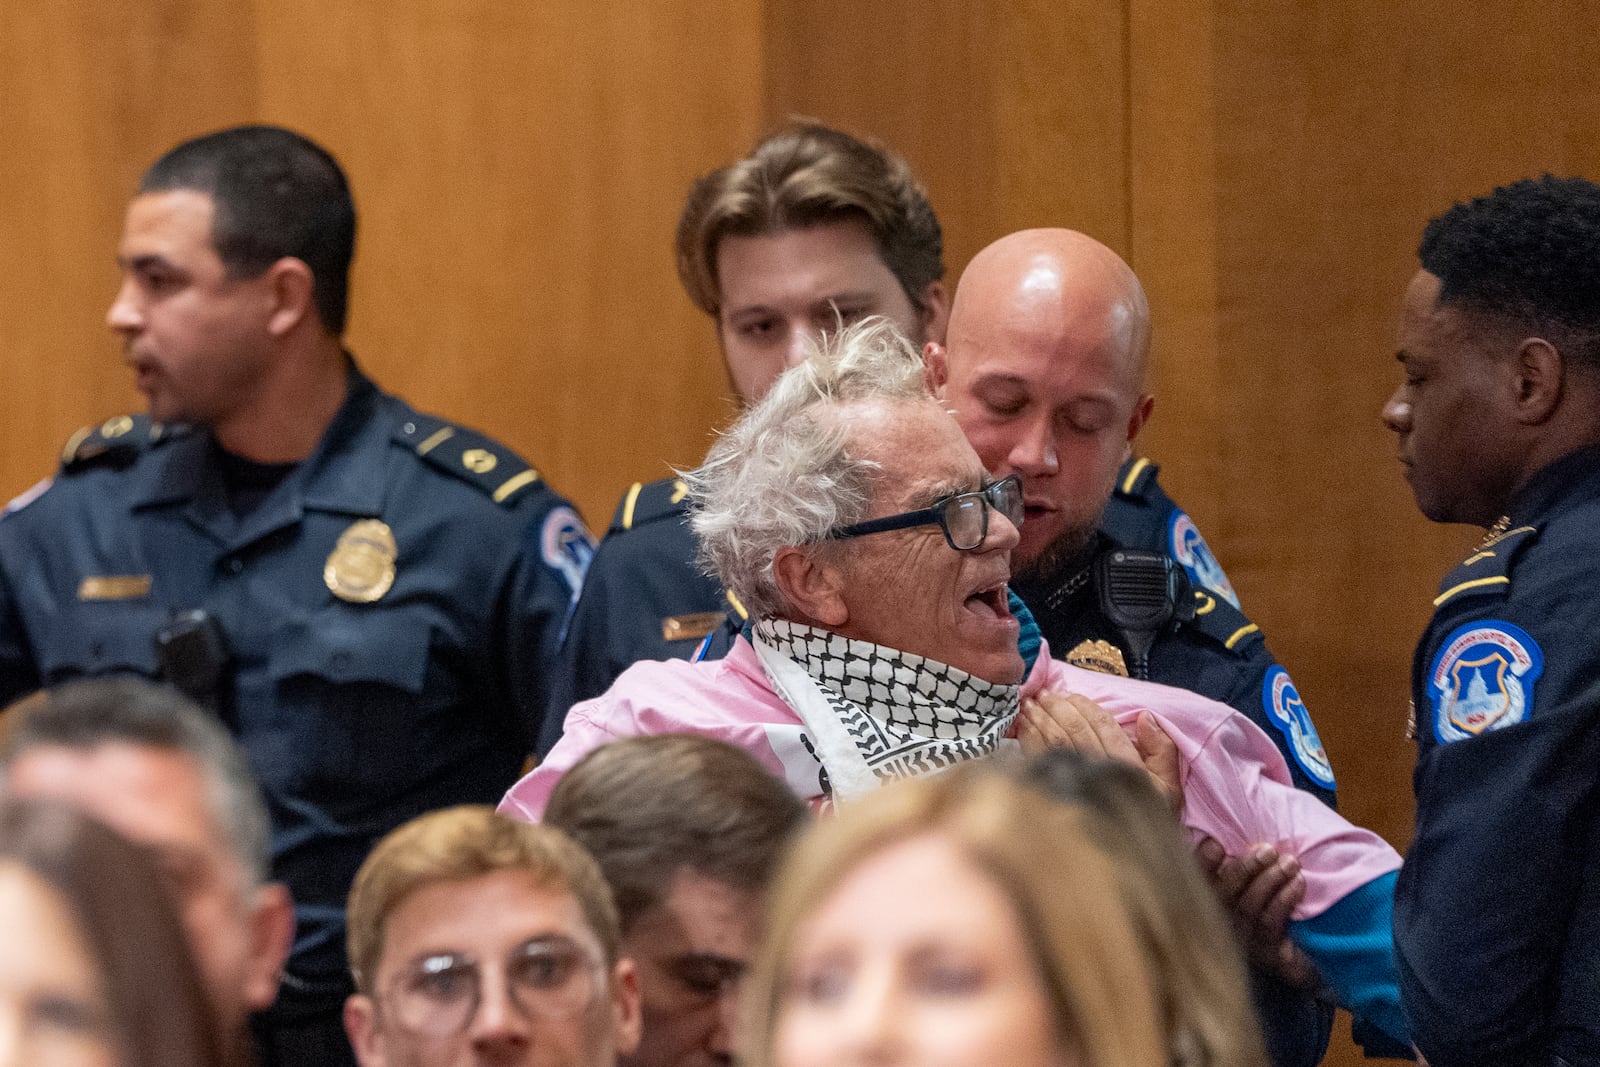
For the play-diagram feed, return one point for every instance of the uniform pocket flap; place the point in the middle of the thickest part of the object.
(388, 648)
(102, 637)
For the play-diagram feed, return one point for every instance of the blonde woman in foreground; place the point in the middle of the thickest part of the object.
(968, 919)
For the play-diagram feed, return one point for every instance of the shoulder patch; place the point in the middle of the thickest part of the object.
(115, 442)
(468, 455)
(1136, 477)
(1224, 623)
(1482, 679)
(1189, 548)
(649, 501)
(566, 546)
(1281, 701)
(1487, 571)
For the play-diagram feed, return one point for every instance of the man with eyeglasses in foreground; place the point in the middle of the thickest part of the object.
(475, 939)
(848, 512)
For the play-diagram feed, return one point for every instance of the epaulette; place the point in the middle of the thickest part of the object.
(1136, 477)
(1487, 571)
(468, 455)
(1224, 623)
(648, 501)
(116, 442)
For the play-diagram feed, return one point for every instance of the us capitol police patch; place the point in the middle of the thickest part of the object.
(1482, 679)
(1288, 713)
(1189, 548)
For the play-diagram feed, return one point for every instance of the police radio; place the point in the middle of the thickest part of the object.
(1141, 593)
(193, 654)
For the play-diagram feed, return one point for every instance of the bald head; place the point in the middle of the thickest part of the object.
(1060, 285)
(1048, 341)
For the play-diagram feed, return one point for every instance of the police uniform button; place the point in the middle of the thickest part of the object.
(235, 565)
(409, 428)
(340, 661)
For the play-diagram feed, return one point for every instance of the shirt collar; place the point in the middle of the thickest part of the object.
(338, 476)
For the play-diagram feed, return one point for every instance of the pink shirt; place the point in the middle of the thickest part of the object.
(1236, 786)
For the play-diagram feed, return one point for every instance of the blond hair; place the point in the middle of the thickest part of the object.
(1099, 974)
(463, 842)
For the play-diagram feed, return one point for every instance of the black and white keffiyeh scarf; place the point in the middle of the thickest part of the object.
(876, 714)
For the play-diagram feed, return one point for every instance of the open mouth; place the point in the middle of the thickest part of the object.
(991, 601)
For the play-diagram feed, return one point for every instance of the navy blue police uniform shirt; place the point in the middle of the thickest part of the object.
(1497, 909)
(391, 610)
(1219, 653)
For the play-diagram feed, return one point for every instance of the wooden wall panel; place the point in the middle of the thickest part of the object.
(1013, 114)
(519, 169)
(1339, 132)
(89, 93)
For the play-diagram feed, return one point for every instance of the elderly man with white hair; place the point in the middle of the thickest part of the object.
(850, 516)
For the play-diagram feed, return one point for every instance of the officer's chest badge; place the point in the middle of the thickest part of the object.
(1100, 656)
(360, 568)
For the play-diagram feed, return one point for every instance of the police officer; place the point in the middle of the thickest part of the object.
(366, 595)
(1497, 911)
(814, 228)
(1044, 370)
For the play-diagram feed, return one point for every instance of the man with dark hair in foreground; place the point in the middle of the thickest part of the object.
(1497, 911)
(366, 595)
(151, 765)
(688, 831)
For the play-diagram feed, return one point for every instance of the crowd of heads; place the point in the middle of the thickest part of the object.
(633, 925)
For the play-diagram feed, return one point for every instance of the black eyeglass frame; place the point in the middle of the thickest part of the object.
(934, 515)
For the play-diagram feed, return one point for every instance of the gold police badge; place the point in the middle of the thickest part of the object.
(360, 568)
(1100, 656)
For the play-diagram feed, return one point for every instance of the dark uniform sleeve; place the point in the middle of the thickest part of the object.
(1496, 921)
(644, 598)
(1140, 514)
(112, 444)
(547, 580)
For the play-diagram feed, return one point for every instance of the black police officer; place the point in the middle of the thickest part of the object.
(1497, 910)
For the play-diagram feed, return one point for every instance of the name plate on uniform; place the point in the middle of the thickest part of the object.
(690, 627)
(114, 587)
